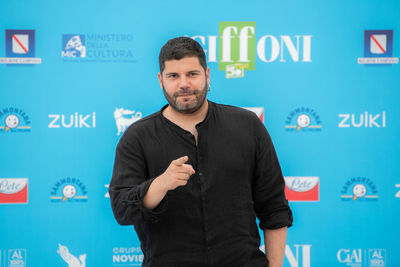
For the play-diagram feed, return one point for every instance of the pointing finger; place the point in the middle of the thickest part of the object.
(181, 161)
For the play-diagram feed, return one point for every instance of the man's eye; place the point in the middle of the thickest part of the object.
(193, 74)
(172, 76)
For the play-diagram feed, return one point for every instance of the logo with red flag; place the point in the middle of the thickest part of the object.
(302, 188)
(13, 190)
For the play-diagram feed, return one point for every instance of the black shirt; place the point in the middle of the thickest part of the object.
(212, 220)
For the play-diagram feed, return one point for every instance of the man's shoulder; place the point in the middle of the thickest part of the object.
(143, 125)
(235, 111)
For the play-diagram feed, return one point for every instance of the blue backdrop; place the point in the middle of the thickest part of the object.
(323, 75)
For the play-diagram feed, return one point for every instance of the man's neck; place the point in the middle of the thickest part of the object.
(187, 121)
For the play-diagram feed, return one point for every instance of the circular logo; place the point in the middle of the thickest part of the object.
(69, 191)
(359, 190)
(12, 121)
(303, 120)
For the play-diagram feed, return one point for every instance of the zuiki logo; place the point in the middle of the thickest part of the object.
(70, 259)
(303, 119)
(73, 45)
(13, 190)
(69, 190)
(302, 188)
(296, 259)
(378, 48)
(397, 190)
(20, 47)
(14, 120)
(75, 120)
(131, 256)
(359, 189)
(365, 120)
(122, 120)
(98, 47)
(16, 258)
(238, 47)
(354, 257)
(258, 111)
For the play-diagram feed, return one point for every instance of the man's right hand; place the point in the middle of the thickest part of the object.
(177, 174)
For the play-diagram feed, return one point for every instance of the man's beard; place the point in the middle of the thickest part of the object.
(188, 107)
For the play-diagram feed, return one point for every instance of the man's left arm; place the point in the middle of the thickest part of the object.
(270, 204)
(275, 241)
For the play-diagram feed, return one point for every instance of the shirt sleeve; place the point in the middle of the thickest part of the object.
(270, 202)
(129, 185)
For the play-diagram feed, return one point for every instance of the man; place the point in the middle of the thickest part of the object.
(193, 177)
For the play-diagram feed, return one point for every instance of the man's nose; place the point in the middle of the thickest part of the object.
(184, 82)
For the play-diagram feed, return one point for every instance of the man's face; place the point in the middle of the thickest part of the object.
(184, 83)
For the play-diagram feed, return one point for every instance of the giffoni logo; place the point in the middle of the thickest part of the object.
(237, 47)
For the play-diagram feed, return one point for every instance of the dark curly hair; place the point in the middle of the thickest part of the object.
(180, 47)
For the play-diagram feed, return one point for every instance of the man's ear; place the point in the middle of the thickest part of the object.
(208, 75)
(160, 79)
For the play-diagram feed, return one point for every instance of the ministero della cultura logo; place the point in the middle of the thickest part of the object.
(20, 47)
(98, 47)
(238, 48)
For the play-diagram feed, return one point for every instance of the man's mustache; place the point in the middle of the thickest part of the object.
(185, 92)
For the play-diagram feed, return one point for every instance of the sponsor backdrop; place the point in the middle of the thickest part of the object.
(323, 76)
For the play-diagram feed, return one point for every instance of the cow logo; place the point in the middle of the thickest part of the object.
(16, 258)
(123, 121)
(378, 48)
(303, 119)
(69, 190)
(302, 188)
(73, 45)
(70, 259)
(13, 120)
(258, 111)
(359, 189)
(13, 190)
(20, 47)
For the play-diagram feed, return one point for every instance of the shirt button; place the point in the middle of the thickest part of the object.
(200, 174)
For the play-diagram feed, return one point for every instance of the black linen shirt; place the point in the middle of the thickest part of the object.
(212, 220)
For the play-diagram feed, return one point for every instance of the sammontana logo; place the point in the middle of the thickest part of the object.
(303, 119)
(69, 189)
(13, 119)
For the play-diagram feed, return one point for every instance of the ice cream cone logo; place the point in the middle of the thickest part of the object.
(69, 191)
(12, 122)
(303, 121)
(359, 190)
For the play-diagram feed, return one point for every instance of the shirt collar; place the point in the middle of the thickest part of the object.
(198, 126)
